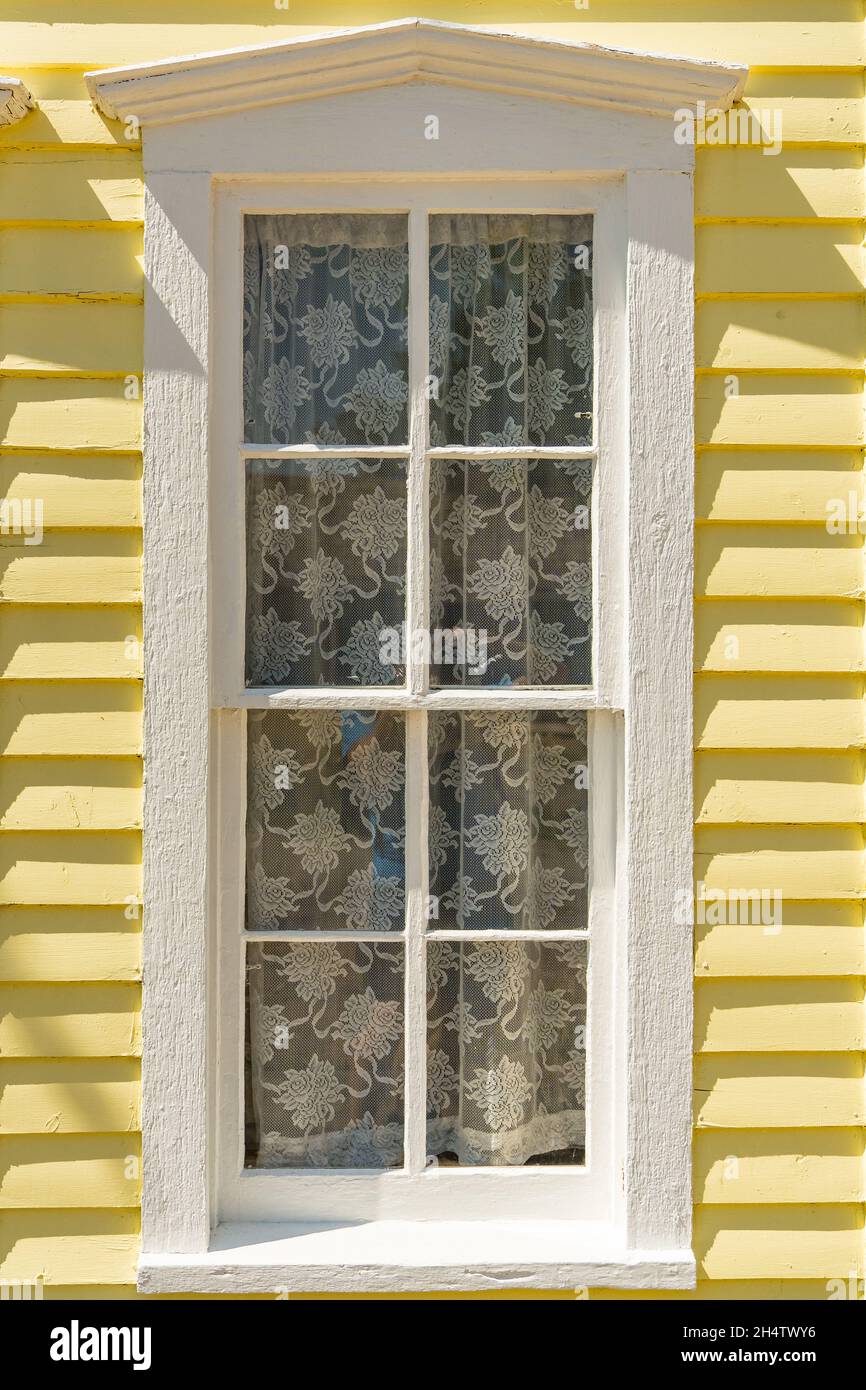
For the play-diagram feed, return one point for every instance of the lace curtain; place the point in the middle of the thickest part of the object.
(326, 360)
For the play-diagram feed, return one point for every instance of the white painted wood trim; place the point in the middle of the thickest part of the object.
(15, 100)
(658, 711)
(409, 50)
(177, 753)
(381, 1257)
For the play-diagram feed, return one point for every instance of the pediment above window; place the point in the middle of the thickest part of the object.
(413, 51)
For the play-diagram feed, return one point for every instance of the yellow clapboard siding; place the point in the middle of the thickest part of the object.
(792, 788)
(62, 125)
(53, 868)
(70, 643)
(747, 1167)
(51, 944)
(70, 567)
(798, 862)
(56, 1246)
(781, 1242)
(71, 261)
(745, 711)
(77, 491)
(815, 107)
(780, 335)
(779, 1015)
(77, 720)
(781, 1091)
(770, 562)
(778, 635)
(70, 794)
(792, 33)
(780, 411)
(796, 487)
(69, 1096)
(99, 1170)
(792, 948)
(771, 261)
(740, 182)
(68, 414)
(70, 1020)
(71, 338)
(70, 187)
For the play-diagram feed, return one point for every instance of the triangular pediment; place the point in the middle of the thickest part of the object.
(412, 50)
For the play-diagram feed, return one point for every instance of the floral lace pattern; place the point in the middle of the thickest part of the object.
(325, 329)
(325, 1055)
(506, 1051)
(509, 838)
(326, 570)
(325, 821)
(511, 561)
(511, 344)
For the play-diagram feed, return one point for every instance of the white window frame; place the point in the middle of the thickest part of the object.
(227, 131)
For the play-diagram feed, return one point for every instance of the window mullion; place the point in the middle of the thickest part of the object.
(418, 542)
(417, 890)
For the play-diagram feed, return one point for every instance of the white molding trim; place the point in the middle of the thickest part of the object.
(15, 100)
(412, 50)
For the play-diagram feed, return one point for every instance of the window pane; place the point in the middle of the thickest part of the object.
(325, 821)
(509, 840)
(326, 571)
(511, 329)
(506, 1052)
(510, 572)
(324, 1081)
(325, 329)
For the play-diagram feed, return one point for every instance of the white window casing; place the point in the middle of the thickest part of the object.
(331, 123)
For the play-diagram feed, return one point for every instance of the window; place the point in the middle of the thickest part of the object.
(417, 704)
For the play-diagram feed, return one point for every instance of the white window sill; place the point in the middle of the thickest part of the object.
(398, 1256)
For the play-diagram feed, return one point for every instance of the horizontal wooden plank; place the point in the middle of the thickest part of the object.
(782, 1242)
(52, 944)
(791, 1090)
(779, 411)
(72, 567)
(69, 414)
(821, 260)
(70, 643)
(814, 948)
(78, 263)
(81, 339)
(70, 794)
(758, 711)
(774, 788)
(778, 635)
(60, 1247)
(778, 335)
(779, 1016)
(814, 107)
(70, 1020)
(776, 562)
(792, 32)
(77, 491)
(90, 1096)
(798, 862)
(66, 1170)
(746, 1167)
(76, 720)
(60, 186)
(738, 181)
(48, 869)
(785, 486)
(64, 116)
(717, 1290)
